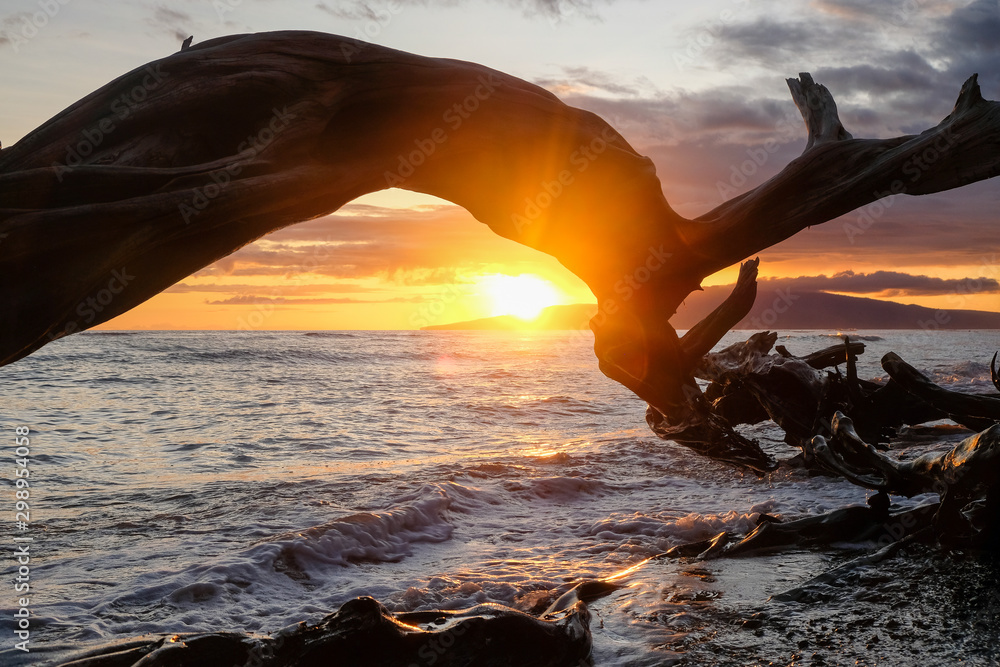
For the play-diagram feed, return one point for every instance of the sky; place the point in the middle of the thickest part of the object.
(697, 86)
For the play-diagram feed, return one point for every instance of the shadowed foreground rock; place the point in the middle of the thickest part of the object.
(363, 633)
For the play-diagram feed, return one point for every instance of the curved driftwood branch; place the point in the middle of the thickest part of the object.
(187, 159)
(702, 337)
(967, 472)
(959, 407)
(181, 162)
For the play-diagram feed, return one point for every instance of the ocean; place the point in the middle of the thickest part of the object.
(246, 481)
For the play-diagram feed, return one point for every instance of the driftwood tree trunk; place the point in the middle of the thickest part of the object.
(181, 162)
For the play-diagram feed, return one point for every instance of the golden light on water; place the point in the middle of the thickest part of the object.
(622, 574)
(445, 365)
(524, 296)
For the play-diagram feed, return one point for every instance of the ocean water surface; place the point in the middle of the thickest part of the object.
(245, 481)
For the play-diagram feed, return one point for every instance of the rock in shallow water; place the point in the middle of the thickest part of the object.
(364, 633)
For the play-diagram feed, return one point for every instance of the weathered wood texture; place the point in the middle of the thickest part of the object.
(181, 162)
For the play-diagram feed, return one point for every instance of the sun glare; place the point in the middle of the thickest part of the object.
(523, 296)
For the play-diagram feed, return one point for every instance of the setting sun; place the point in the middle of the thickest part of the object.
(523, 296)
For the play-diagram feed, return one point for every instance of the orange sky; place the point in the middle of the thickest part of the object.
(398, 260)
(393, 260)
(699, 88)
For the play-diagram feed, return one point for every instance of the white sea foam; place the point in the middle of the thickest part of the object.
(234, 490)
(671, 530)
(387, 536)
(557, 488)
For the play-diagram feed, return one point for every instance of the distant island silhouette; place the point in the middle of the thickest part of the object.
(780, 309)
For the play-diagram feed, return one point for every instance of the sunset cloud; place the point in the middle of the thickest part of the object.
(410, 247)
(288, 289)
(255, 299)
(884, 283)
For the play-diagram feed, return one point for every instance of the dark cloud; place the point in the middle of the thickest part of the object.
(831, 32)
(956, 228)
(559, 8)
(425, 247)
(894, 67)
(765, 39)
(699, 176)
(278, 289)
(702, 141)
(892, 244)
(290, 294)
(172, 20)
(904, 94)
(899, 72)
(714, 116)
(587, 77)
(884, 283)
(362, 11)
(968, 40)
(973, 28)
(377, 11)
